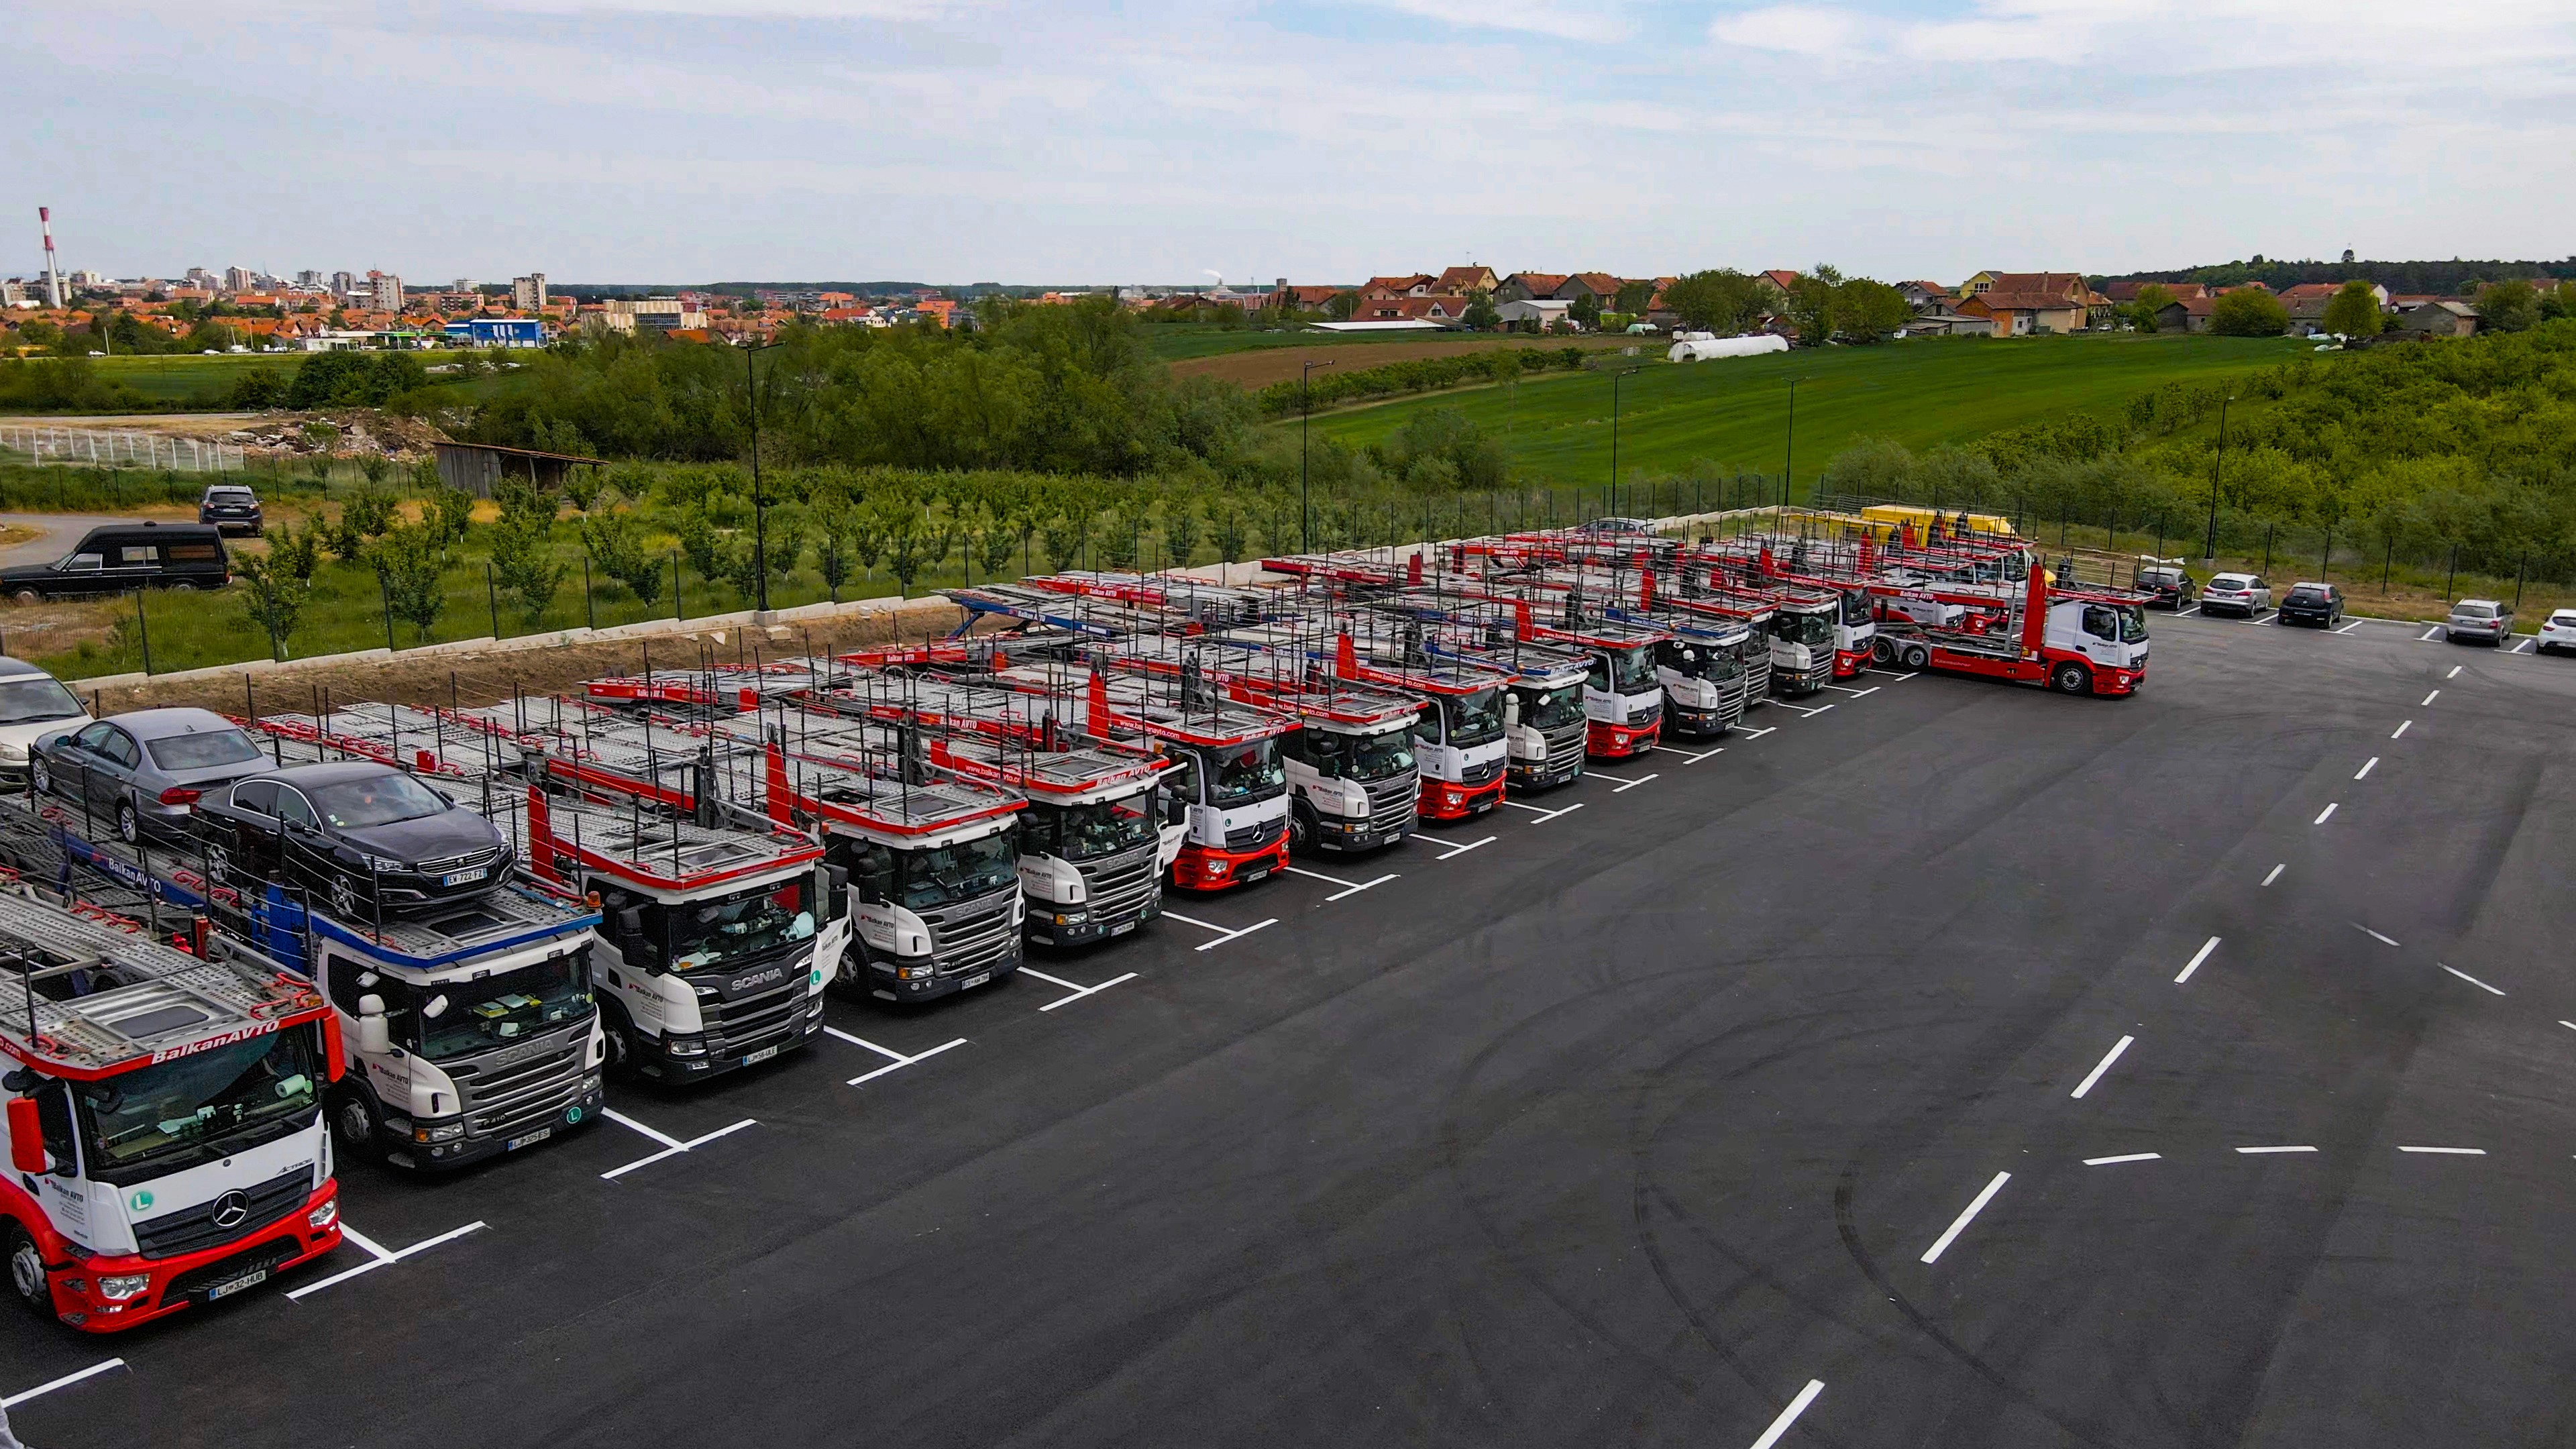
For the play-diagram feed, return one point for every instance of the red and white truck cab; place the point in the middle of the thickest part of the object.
(166, 1141)
(2075, 641)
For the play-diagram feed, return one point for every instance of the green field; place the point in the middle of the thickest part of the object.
(175, 379)
(1735, 413)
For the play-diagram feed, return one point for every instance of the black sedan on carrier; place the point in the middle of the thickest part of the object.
(361, 836)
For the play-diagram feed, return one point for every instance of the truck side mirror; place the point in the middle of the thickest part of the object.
(1511, 711)
(375, 1037)
(26, 1136)
(630, 921)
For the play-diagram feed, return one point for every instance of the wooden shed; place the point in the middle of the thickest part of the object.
(478, 468)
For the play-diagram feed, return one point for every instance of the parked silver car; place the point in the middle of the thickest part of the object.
(2484, 620)
(144, 770)
(2242, 594)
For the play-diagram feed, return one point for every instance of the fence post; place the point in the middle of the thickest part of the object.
(492, 599)
(2450, 584)
(2267, 546)
(2386, 562)
(2520, 566)
(677, 612)
(143, 627)
(2325, 564)
(589, 611)
(386, 594)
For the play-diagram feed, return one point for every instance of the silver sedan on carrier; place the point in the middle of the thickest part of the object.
(145, 769)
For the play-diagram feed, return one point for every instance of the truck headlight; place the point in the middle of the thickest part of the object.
(117, 1287)
(687, 1046)
(443, 1132)
(323, 1216)
(1071, 918)
(922, 972)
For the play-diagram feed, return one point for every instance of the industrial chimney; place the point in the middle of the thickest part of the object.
(53, 271)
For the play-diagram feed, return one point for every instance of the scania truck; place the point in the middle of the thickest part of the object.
(164, 1115)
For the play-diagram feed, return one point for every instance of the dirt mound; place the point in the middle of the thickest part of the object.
(342, 431)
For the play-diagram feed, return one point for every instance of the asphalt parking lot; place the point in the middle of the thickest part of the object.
(1946, 1063)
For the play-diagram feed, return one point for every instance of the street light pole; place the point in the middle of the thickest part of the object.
(1789, 462)
(2209, 548)
(1616, 378)
(759, 499)
(1305, 511)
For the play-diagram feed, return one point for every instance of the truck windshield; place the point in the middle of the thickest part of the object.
(1548, 709)
(2133, 624)
(506, 1007)
(1813, 630)
(1237, 773)
(1088, 832)
(1693, 659)
(1361, 757)
(729, 929)
(947, 874)
(1632, 669)
(34, 699)
(1475, 718)
(180, 1113)
(1856, 610)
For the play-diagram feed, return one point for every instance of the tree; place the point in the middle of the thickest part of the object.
(1342, 306)
(411, 565)
(1867, 311)
(2152, 299)
(2558, 302)
(2249, 312)
(525, 563)
(1634, 296)
(1723, 301)
(2508, 306)
(1585, 311)
(616, 545)
(273, 595)
(2353, 311)
(1480, 315)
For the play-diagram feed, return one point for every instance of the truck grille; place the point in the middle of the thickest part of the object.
(748, 1023)
(1259, 834)
(1645, 713)
(1120, 883)
(1392, 801)
(500, 1102)
(1730, 702)
(1565, 745)
(975, 936)
(1484, 774)
(193, 1229)
(1757, 678)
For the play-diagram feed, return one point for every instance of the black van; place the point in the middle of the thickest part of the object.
(117, 557)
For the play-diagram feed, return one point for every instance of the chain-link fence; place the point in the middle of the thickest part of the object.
(105, 449)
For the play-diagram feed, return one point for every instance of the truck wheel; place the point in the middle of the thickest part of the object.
(620, 1065)
(2072, 678)
(356, 1126)
(1301, 830)
(1917, 657)
(27, 1277)
(1883, 650)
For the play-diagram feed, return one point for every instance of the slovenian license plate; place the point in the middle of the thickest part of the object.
(462, 876)
(247, 1280)
(515, 1143)
(1481, 807)
(1122, 928)
(762, 1055)
(976, 980)
(1249, 876)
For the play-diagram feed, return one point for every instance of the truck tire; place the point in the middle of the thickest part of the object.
(613, 1025)
(357, 1126)
(28, 1282)
(1917, 657)
(1883, 649)
(2072, 678)
(1301, 830)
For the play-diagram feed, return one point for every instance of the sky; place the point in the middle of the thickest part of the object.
(958, 141)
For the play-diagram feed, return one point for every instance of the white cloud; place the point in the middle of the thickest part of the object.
(1599, 23)
(1795, 29)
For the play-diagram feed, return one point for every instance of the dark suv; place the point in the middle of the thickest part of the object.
(230, 506)
(2167, 588)
(363, 837)
(2312, 603)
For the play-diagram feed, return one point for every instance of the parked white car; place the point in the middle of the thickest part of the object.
(2558, 631)
(2242, 594)
(33, 704)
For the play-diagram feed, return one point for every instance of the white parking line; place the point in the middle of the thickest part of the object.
(1802, 709)
(2473, 981)
(1959, 1224)
(2428, 699)
(2454, 674)
(1079, 992)
(2401, 729)
(900, 1060)
(2104, 1065)
(2448, 1151)
(2374, 935)
(2427, 636)
(1687, 757)
(2524, 646)
(2197, 957)
(2348, 628)
(66, 1381)
(1544, 815)
(1789, 1415)
(673, 1146)
(1897, 673)
(2326, 814)
(2276, 872)
(1757, 734)
(2124, 1157)
(1629, 785)
(2187, 613)
(378, 1255)
(1449, 851)
(1223, 934)
(1349, 887)
(2367, 766)
(2267, 1151)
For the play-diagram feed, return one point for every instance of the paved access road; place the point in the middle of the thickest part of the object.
(1958, 1065)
